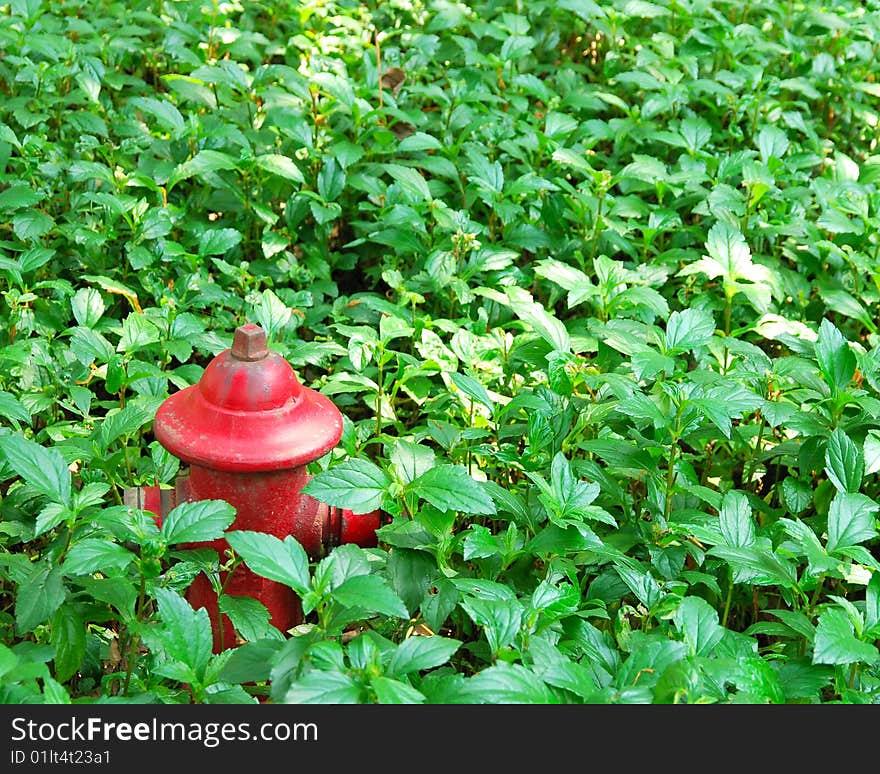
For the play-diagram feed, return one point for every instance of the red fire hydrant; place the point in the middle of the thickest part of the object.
(248, 429)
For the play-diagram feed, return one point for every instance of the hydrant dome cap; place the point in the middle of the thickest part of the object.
(248, 412)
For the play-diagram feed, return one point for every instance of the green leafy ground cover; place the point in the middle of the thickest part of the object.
(594, 283)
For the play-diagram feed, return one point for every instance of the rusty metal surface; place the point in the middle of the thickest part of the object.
(247, 430)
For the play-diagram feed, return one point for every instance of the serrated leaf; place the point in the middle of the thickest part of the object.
(479, 543)
(450, 488)
(372, 594)
(19, 195)
(737, 525)
(871, 452)
(68, 635)
(410, 181)
(280, 165)
(797, 494)
(202, 520)
(416, 654)
(218, 241)
(472, 388)
(42, 468)
(93, 555)
(688, 329)
(501, 619)
(204, 162)
(506, 684)
(850, 520)
(548, 327)
(32, 224)
(11, 408)
(355, 483)
(844, 463)
(182, 633)
(835, 641)
(837, 362)
(411, 459)
(126, 421)
(697, 620)
(39, 598)
(250, 619)
(252, 661)
(166, 113)
(324, 687)
(390, 691)
(284, 561)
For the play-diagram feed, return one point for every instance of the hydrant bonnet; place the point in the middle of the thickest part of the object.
(248, 413)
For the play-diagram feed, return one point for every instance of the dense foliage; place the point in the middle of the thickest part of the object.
(594, 284)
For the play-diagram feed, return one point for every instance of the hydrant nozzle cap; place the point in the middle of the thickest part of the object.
(249, 343)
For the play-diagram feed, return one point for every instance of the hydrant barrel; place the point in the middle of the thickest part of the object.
(247, 429)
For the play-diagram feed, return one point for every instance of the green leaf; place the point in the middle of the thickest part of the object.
(162, 110)
(203, 163)
(125, 422)
(355, 483)
(871, 452)
(184, 634)
(768, 566)
(69, 638)
(506, 684)
(218, 241)
(796, 493)
(850, 520)
(836, 643)
(688, 329)
(472, 388)
(284, 561)
(32, 224)
(320, 687)
(500, 618)
(390, 691)
(372, 594)
(410, 181)
(416, 654)
(844, 463)
(282, 166)
(697, 620)
(737, 525)
(410, 459)
(39, 598)
(450, 488)
(137, 333)
(479, 543)
(11, 408)
(87, 306)
(548, 327)
(252, 661)
(93, 555)
(837, 362)
(411, 573)
(17, 196)
(42, 468)
(331, 180)
(250, 618)
(419, 141)
(202, 520)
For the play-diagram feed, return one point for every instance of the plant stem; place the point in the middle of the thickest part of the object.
(136, 638)
(670, 479)
(752, 462)
(727, 601)
(815, 598)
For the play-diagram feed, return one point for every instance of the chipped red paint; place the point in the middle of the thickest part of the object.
(247, 430)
